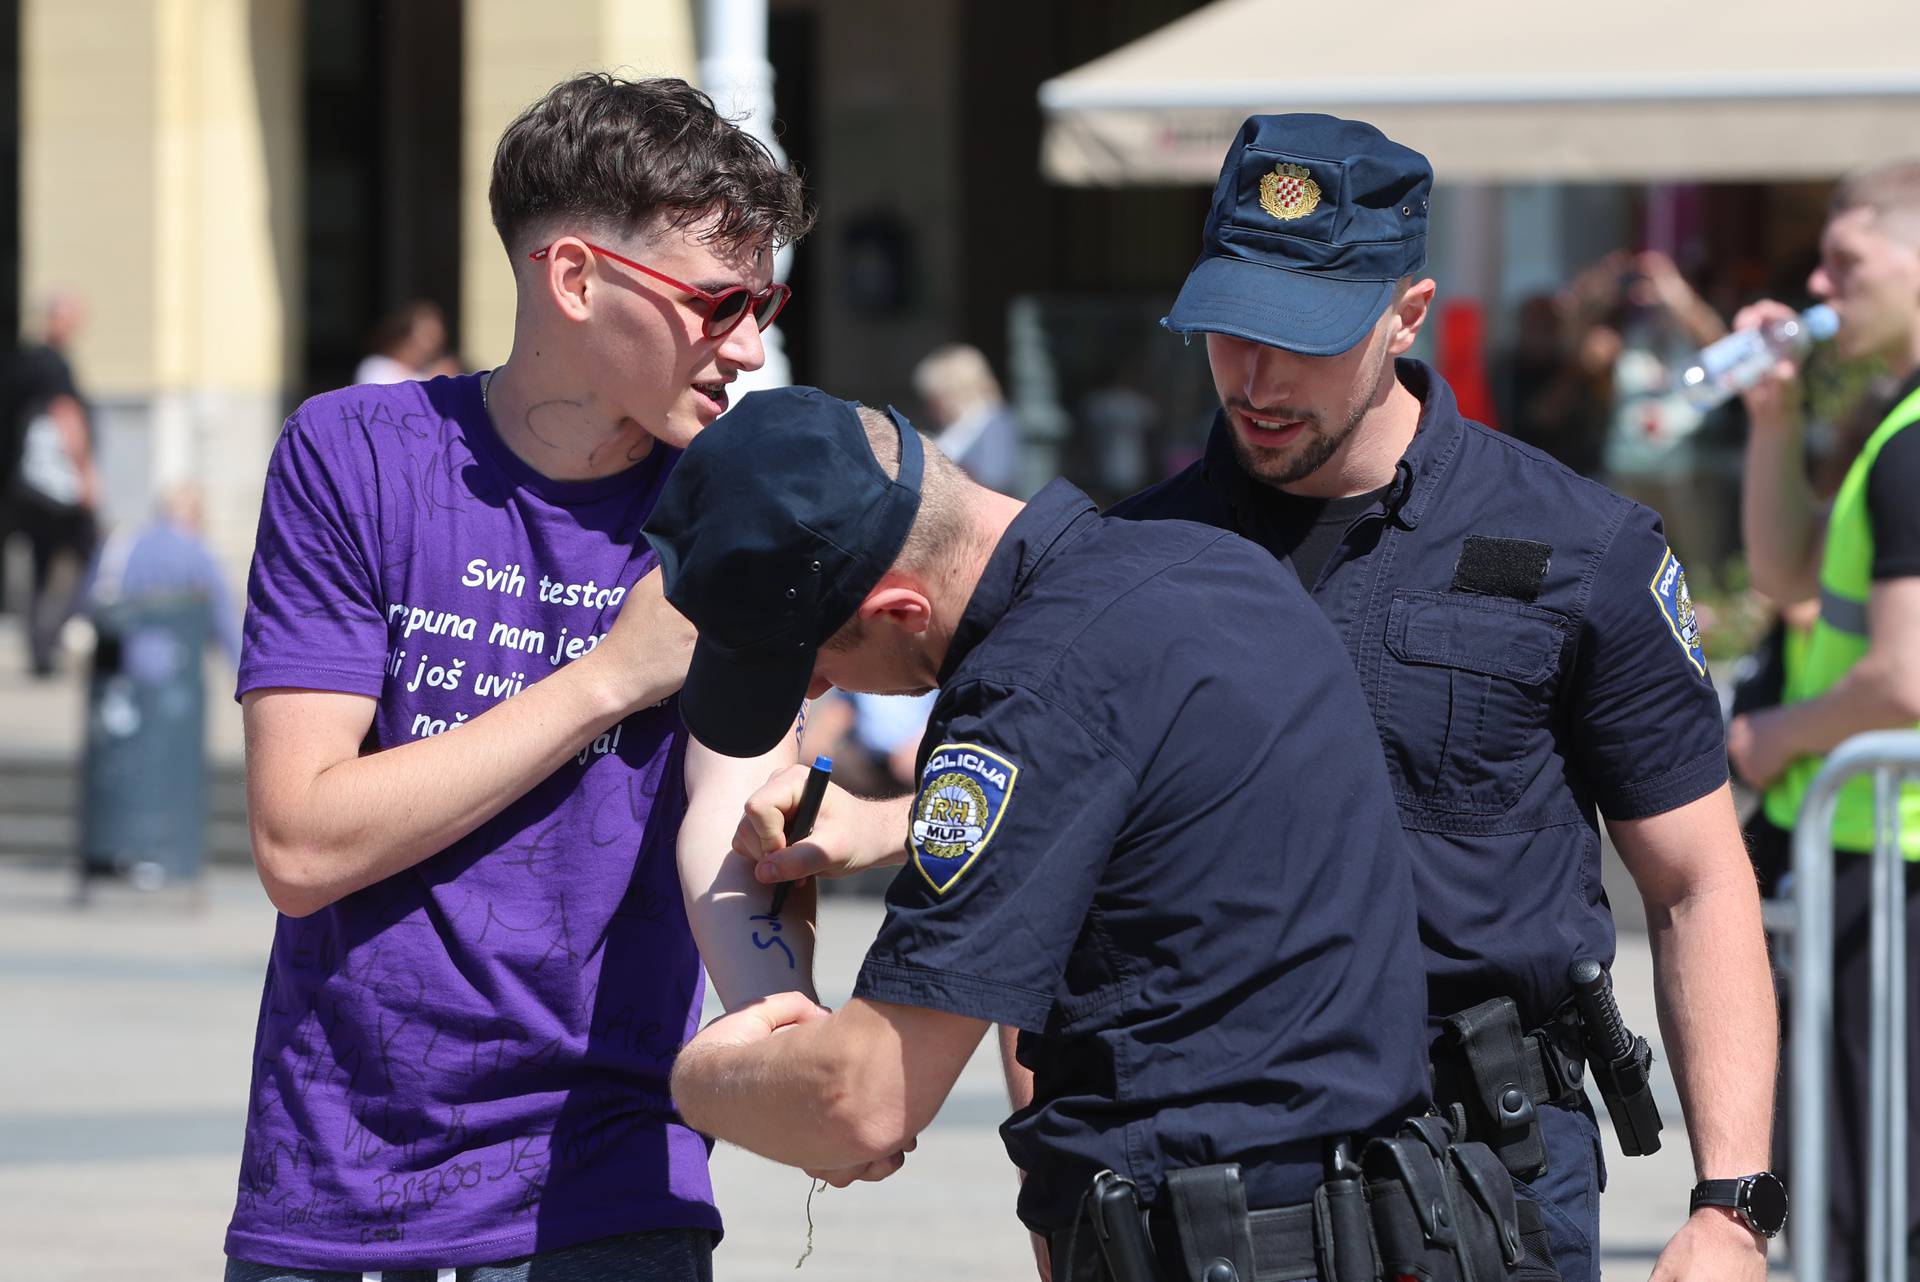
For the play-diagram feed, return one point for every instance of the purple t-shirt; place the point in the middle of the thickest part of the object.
(468, 1061)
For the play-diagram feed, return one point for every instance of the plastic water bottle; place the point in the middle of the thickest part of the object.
(1742, 358)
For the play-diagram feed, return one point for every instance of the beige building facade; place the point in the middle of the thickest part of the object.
(163, 177)
(240, 189)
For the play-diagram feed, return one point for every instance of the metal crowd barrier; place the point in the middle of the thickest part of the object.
(1890, 757)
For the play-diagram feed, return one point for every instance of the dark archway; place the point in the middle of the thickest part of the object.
(382, 121)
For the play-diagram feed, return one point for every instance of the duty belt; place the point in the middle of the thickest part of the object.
(1417, 1203)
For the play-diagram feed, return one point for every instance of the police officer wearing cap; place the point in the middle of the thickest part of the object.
(1153, 830)
(1526, 642)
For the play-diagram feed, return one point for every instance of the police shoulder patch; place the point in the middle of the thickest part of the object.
(964, 792)
(1669, 588)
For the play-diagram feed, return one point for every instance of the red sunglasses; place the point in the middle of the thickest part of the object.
(724, 310)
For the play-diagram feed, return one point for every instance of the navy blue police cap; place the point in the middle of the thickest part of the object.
(1313, 221)
(774, 526)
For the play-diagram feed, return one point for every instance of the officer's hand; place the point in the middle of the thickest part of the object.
(757, 1021)
(849, 835)
(1774, 402)
(644, 656)
(1713, 1246)
(872, 1172)
(1759, 752)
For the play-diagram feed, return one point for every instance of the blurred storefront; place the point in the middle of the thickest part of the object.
(242, 188)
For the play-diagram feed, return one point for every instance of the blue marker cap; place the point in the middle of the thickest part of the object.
(823, 764)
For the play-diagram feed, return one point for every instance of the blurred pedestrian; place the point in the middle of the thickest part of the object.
(1860, 669)
(471, 793)
(167, 558)
(155, 598)
(1653, 448)
(54, 495)
(407, 344)
(1530, 653)
(975, 426)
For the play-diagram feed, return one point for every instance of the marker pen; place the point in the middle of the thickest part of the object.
(800, 823)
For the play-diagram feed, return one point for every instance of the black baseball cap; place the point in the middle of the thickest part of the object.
(773, 527)
(1313, 221)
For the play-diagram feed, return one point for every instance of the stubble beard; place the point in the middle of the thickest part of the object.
(1279, 468)
(1285, 467)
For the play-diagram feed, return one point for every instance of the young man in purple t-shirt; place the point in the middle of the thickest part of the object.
(471, 794)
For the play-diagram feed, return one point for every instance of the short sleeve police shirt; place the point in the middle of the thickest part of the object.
(1646, 735)
(1527, 643)
(1153, 831)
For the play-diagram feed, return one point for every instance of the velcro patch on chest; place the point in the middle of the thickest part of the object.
(1515, 568)
(964, 791)
(1669, 588)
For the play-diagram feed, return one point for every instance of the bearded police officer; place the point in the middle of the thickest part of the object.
(1526, 642)
(1153, 832)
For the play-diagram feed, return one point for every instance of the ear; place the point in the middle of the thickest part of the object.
(898, 601)
(564, 283)
(1410, 312)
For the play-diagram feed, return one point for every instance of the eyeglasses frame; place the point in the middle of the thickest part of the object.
(777, 291)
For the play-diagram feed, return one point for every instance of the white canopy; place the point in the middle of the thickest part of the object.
(1510, 90)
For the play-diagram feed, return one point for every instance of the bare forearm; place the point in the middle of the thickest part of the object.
(786, 1098)
(893, 818)
(1717, 1016)
(365, 818)
(1778, 516)
(1873, 695)
(749, 952)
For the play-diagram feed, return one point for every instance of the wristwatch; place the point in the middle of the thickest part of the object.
(1760, 1200)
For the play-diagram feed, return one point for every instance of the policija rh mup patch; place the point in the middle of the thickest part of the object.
(964, 792)
(1669, 588)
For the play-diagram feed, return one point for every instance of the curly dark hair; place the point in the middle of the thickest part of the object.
(608, 150)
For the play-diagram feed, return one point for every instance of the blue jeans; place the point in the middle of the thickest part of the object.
(662, 1255)
(1569, 1191)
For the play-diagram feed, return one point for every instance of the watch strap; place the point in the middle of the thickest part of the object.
(1716, 1193)
(1759, 1199)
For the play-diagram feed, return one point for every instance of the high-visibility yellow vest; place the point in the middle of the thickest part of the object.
(1838, 641)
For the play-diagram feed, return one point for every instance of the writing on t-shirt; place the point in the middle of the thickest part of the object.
(518, 651)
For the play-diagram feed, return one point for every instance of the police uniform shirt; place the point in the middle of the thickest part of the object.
(1154, 832)
(1526, 641)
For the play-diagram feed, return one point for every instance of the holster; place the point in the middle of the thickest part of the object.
(1497, 1076)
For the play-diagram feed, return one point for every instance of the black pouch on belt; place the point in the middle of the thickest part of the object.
(1210, 1216)
(1480, 1064)
(1446, 1211)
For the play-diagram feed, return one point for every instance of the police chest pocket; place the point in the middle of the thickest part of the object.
(1465, 696)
